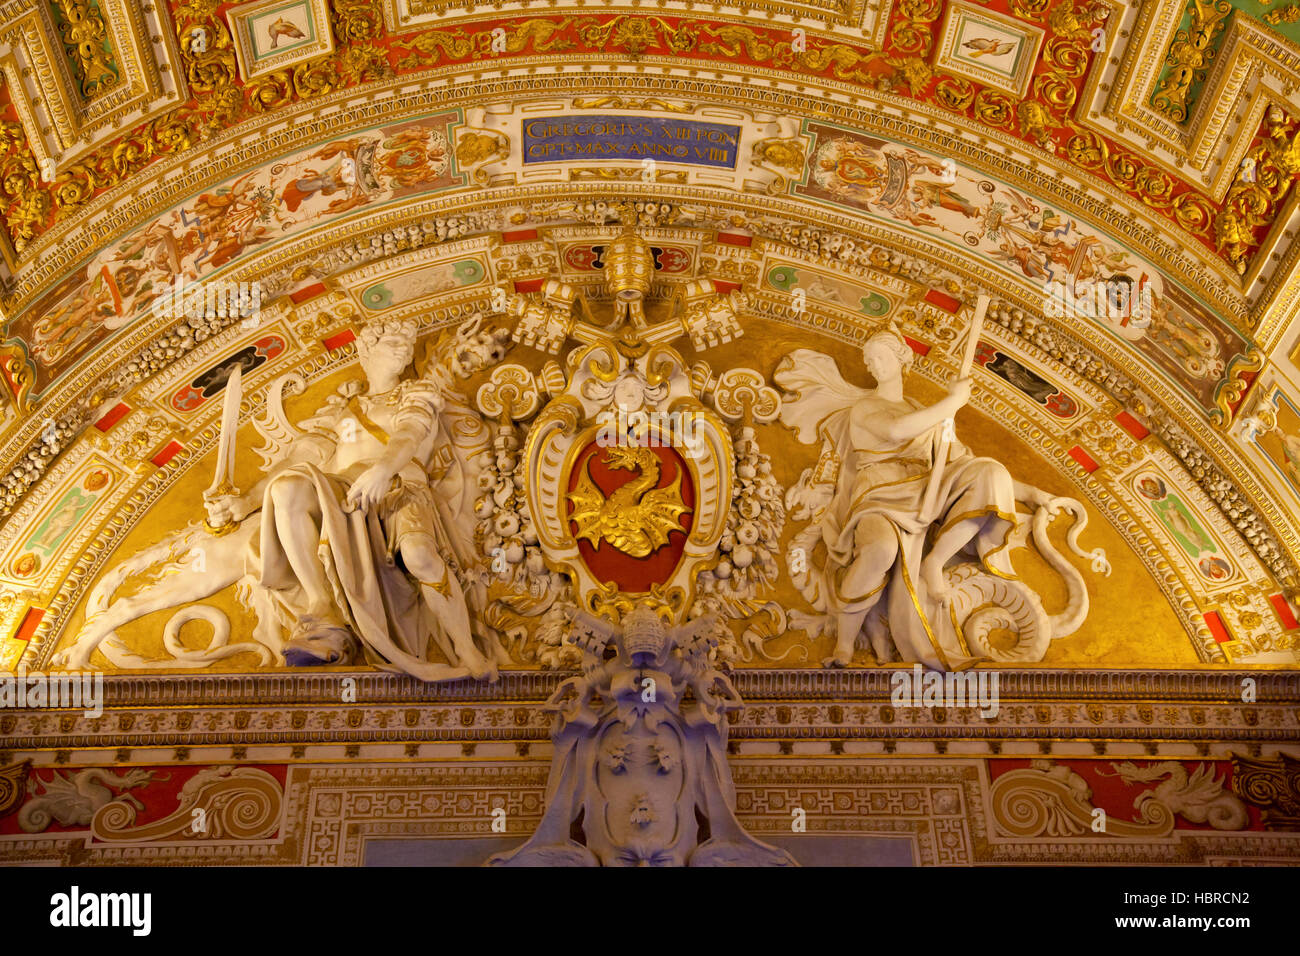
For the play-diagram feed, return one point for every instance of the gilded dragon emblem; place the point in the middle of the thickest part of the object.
(637, 517)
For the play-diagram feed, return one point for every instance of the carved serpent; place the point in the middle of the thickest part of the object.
(983, 602)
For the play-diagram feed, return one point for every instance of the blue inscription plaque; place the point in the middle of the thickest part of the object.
(560, 139)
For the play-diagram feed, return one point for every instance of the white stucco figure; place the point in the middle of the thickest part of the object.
(353, 542)
(357, 541)
(870, 558)
(640, 754)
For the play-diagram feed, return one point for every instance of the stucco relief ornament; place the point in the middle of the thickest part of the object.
(619, 483)
(356, 541)
(910, 535)
(736, 591)
(630, 481)
(640, 754)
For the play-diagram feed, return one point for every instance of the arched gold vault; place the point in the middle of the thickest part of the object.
(70, 355)
(847, 166)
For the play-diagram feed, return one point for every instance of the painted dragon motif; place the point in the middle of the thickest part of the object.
(637, 517)
(1199, 796)
(454, 44)
(543, 34)
(73, 800)
(733, 41)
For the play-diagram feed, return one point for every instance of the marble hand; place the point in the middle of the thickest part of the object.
(370, 487)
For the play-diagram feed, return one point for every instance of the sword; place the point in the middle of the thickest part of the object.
(928, 502)
(223, 481)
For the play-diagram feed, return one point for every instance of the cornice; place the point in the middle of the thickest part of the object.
(1048, 707)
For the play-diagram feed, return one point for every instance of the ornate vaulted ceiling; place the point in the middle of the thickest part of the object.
(828, 169)
(886, 152)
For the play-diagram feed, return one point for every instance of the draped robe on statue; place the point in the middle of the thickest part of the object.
(878, 476)
(375, 597)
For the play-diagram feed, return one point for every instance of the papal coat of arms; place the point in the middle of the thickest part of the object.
(618, 510)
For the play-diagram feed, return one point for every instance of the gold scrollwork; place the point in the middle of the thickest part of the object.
(954, 92)
(85, 39)
(1263, 180)
(1030, 9)
(12, 789)
(1272, 785)
(509, 394)
(20, 373)
(1287, 14)
(630, 103)
(994, 108)
(1227, 397)
(742, 394)
(1189, 56)
(357, 21)
(26, 205)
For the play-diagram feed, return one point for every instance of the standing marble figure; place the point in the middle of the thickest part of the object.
(879, 558)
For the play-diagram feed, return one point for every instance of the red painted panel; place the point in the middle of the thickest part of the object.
(529, 285)
(31, 621)
(920, 348)
(1217, 627)
(519, 235)
(1284, 612)
(173, 449)
(1132, 425)
(340, 339)
(943, 300)
(307, 292)
(735, 239)
(113, 416)
(1084, 459)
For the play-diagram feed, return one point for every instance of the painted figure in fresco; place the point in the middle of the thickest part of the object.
(817, 289)
(1152, 488)
(64, 516)
(337, 173)
(852, 168)
(1190, 343)
(67, 328)
(222, 223)
(355, 169)
(370, 496)
(903, 183)
(871, 557)
(412, 157)
(1291, 449)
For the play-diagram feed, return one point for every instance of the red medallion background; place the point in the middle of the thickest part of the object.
(607, 563)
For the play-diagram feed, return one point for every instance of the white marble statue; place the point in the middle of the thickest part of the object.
(921, 584)
(366, 492)
(358, 540)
